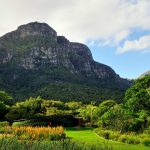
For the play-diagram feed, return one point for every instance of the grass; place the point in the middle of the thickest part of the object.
(81, 139)
(14, 144)
(38, 138)
(88, 136)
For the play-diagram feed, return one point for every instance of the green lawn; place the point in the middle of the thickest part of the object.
(88, 136)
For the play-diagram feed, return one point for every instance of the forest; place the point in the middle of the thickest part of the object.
(38, 119)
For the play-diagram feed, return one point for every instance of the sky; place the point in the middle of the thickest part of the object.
(116, 31)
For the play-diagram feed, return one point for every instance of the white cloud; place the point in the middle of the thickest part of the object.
(115, 39)
(91, 43)
(121, 36)
(142, 44)
(79, 20)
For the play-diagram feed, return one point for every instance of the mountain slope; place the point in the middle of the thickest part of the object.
(145, 74)
(34, 60)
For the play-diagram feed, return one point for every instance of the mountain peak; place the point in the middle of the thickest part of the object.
(36, 26)
(35, 53)
(32, 29)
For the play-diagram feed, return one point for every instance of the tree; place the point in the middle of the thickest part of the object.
(73, 106)
(3, 110)
(3, 107)
(52, 103)
(53, 111)
(89, 113)
(4, 96)
(115, 119)
(148, 90)
(137, 97)
(105, 106)
(16, 113)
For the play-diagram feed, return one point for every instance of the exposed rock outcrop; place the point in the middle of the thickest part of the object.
(36, 46)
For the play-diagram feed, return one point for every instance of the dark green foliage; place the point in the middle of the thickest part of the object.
(4, 97)
(3, 110)
(137, 97)
(137, 103)
(39, 112)
(25, 44)
(55, 120)
(146, 141)
(16, 113)
(4, 123)
(55, 83)
(137, 124)
(32, 122)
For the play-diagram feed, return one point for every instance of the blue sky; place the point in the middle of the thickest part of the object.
(128, 65)
(116, 31)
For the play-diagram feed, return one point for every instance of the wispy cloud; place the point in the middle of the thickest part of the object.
(142, 44)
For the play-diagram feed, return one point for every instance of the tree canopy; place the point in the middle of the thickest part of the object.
(137, 98)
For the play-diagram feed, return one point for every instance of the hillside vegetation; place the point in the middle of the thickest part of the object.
(127, 122)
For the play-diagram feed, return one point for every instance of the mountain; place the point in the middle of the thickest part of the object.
(145, 74)
(35, 61)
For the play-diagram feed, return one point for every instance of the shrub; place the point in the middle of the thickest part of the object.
(146, 141)
(4, 123)
(132, 140)
(123, 138)
(114, 135)
(136, 125)
(56, 120)
(104, 133)
(29, 123)
(147, 131)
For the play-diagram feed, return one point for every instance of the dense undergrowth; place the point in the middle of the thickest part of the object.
(130, 138)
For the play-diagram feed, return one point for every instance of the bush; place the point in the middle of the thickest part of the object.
(114, 136)
(123, 138)
(104, 133)
(56, 120)
(146, 141)
(4, 123)
(147, 131)
(132, 140)
(136, 125)
(29, 123)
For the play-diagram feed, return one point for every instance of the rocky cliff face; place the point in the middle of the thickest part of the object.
(35, 46)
